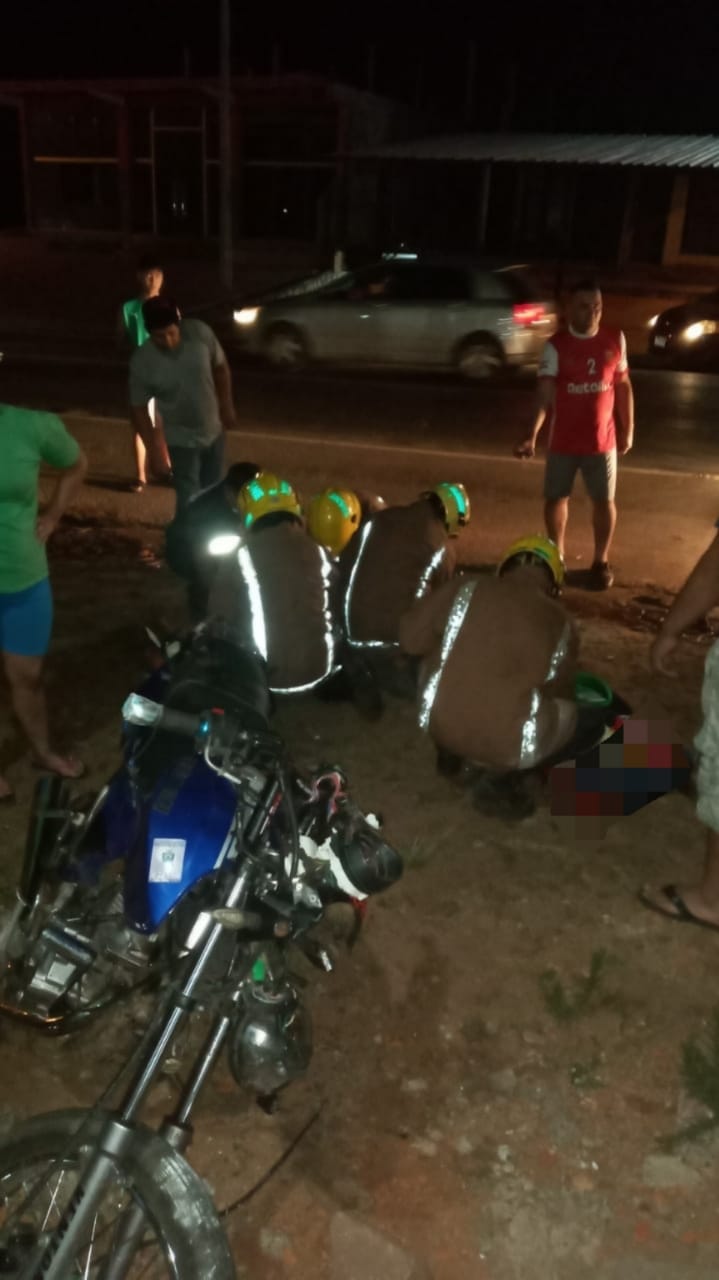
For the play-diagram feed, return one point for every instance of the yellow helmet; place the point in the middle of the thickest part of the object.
(454, 501)
(537, 548)
(332, 518)
(264, 496)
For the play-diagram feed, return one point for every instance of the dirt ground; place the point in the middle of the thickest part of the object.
(450, 1114)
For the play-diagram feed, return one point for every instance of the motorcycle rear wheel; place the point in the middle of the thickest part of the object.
(40, 1164)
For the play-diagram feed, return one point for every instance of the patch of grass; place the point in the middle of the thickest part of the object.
(418, 853)
(700, 1076)
(564, 1004)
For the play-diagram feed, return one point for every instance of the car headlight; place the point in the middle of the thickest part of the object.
(246, 315)
(651, 323)
(700, 329)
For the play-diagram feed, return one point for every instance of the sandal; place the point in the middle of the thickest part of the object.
(681, 914)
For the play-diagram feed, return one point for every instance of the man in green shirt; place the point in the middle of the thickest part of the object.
(27, 440)
(132, 334)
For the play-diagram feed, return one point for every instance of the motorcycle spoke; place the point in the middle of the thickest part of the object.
(53, 1200)
(86, 1271)
(97, 1250)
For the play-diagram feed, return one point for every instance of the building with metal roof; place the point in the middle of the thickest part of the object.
(612, 197)
(637, 150)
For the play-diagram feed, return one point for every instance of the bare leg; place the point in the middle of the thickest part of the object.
(28, 699)
(701, 899)
(604, 519)
(140, 458)
(556, 514)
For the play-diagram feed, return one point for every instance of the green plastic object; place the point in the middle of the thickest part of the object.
(592, 691)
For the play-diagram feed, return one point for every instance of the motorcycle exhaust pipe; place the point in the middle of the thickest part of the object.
(53, 1024)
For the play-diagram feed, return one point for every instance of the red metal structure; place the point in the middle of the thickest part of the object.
(141, 157)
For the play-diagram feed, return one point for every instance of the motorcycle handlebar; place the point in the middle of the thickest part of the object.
(182, 722)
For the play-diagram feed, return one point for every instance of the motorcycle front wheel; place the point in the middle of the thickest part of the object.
(179, 1235)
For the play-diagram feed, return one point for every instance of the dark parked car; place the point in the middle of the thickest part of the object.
(688, 335)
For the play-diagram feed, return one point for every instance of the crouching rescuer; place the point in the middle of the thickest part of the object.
(399, 556)
(274, 588)
(498, 662)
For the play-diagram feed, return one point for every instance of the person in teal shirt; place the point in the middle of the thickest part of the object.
(27, 440)
(132, 334)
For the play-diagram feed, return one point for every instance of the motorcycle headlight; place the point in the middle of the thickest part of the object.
(270, 1041)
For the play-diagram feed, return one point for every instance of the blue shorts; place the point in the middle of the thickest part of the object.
(26, 620)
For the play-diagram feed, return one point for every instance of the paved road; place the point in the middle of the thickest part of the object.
(677, 413)
(397, 433)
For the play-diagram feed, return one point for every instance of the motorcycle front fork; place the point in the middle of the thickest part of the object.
(177, 1132)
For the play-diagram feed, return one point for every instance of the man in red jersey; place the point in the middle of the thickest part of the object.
(585, 392)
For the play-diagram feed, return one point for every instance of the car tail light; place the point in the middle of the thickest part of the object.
(528, 313)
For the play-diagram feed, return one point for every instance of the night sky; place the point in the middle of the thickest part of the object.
(596, 64)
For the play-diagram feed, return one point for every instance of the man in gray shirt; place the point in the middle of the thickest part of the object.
(183, 367)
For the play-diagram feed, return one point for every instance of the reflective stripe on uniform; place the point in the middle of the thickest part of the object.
(428, 572)
(257, 611)
(457, 614)
(560, 652)
(529, 750)
(357, 644)
(329, 635)
(528, 747)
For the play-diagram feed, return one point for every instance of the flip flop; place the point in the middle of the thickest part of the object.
(682, 914)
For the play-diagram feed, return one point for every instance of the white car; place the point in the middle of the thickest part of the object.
(405, 310)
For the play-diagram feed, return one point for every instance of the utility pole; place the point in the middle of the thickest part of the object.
(226, 252)
(371, 67)
(509, 101)
(419, 84)
(470, 90)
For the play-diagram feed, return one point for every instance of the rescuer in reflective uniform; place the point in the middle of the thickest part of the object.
(200, 532)
(274, 588)
(335, 517)
(399, 556)
(496, 684)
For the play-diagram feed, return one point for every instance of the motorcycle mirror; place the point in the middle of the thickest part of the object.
(141, 711)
